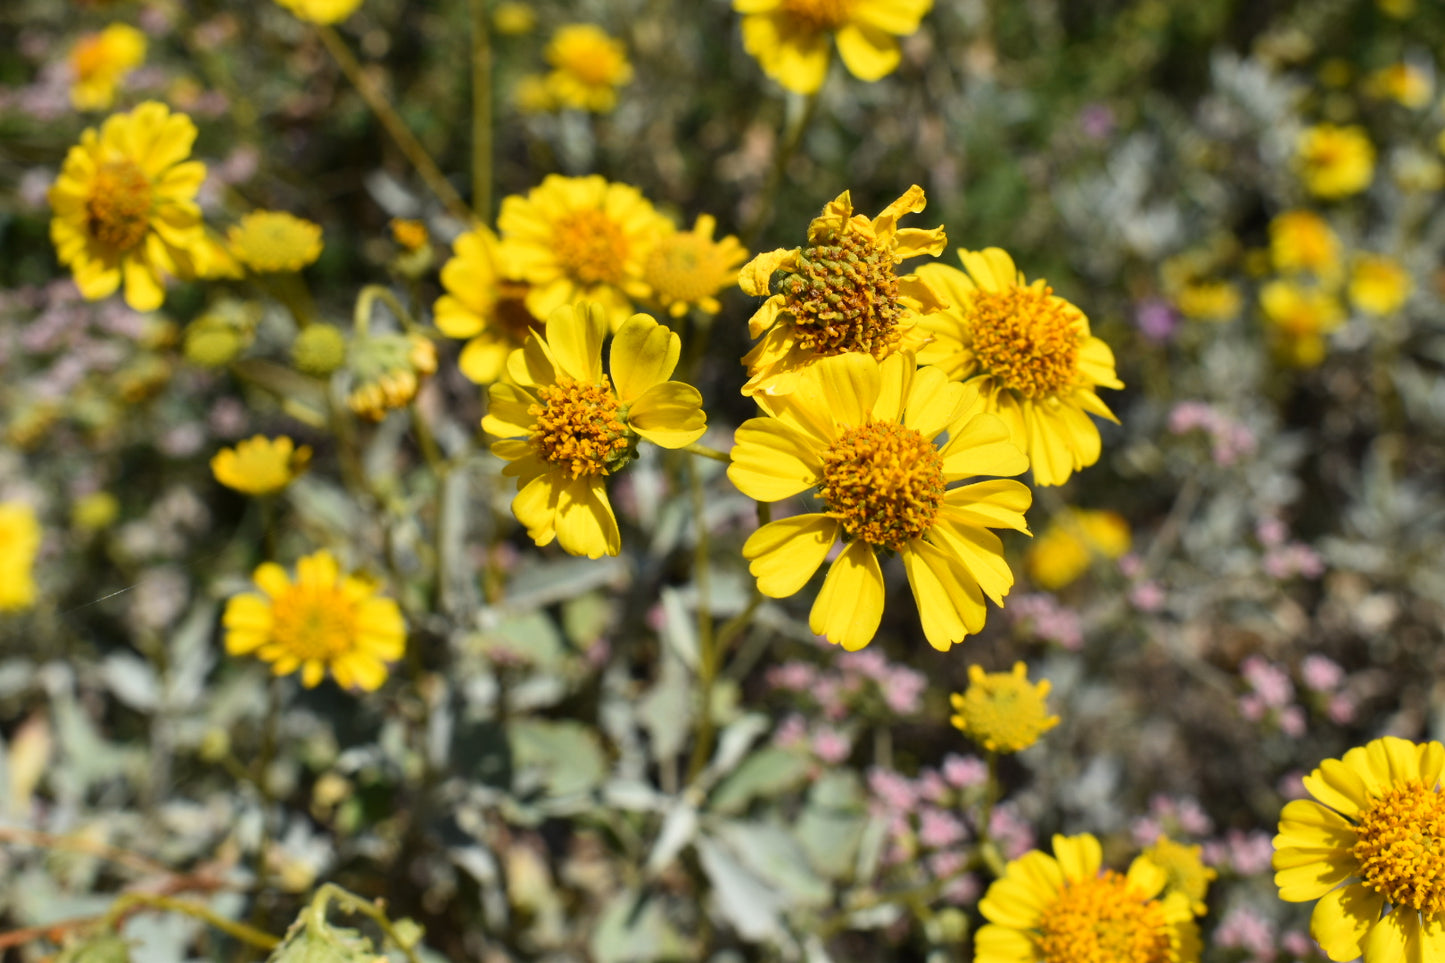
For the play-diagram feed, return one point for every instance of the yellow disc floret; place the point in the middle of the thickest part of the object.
(1026, 339)
(884, 482)
(819, 15)
(1103, 920)
(1003, 711)
(1401, 846)
(577, 427)
(844, 297)
(591, 247)
(119, 207)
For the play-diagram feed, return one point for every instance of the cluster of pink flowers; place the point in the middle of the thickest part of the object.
(1244, 928)
(1283, 558)
(1041, 616)
(1175, 817)
(1230, 439)
(1271, 696)
(854, 679)
(1244, 854)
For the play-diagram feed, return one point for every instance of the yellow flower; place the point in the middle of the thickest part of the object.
(533, 95)
(260, 465)
(100, 61)
(321, 11)
(125, 206)
(1379, 285)
(864, 436)
(1299, 318)
(1069, 545)
(580, 238)
(1184, 866)
(1027, 353)
(1062, 909)
(1335, 162)
(1302, 241)
(1209, 300)
(587, 67)
(319, 349)
(1365, 848)
(791, 39)
(19, 543)
(322, 622)
(688, 268)
(840, 293)
(482, 304)
(1399, 9)
(386, 371)
(565, 424)
(270, 242)
(1405, 84)
(511, 18)
(1003, 711)
(94, 512)
(408, 234)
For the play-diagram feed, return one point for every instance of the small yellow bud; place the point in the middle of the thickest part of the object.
(319, 349)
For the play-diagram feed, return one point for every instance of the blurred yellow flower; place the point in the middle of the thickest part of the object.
(270, 242)
(588, 66)
(125, 206)
(866, 438)
(94, 512)
(1378, 284)
(408, 234)
(580, 238)
(1050, 909)
(840, 292)
(1335, 162)
(1299, 317)
(319, 349)
(533, 95)
(1302, 241)
(260, 465)
(386, 371)
(19, 543)
(1404, 83)
(1003, 711)
(687, 269)
(1399, 9)
(1068, 547)
(511, 18)
(100, 61)
(483, 305)
(1184, 866)
(1211, 300)
(565, 425)
(322, 622)
(1023, 353)
(791, 39)
(321, 11)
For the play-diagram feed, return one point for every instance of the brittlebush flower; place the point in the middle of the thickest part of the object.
(1302, 241)
(483, 305)
(260, 465)
(565, 424)
(322, 622)
(321, 11)
(1335, 162)
(1404, 83)
(580, 238)
(271, 242)
(1185, 869)
(100, 61)
(840, 292)
(1208, 300)
(865, 437)
(1063, 908)
(791, 39)
(1299, 317)
(1364, 848)
(387, 371)
(1379, 285)
(687, 269)
(125, 206)
(588, 66)
(1003, 711)
(1027, 354)
(1070, 544)
(19, 543)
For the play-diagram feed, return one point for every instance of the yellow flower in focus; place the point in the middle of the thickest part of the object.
(1027, 354)
(792, 39)
(511, 18)
(1003, 711)
(580, 238)
(1209, 300)
(1184, 866)
(19, 543)
(260, 465)
(483, 305)
(125, 206)
(1299, 317)
(1071, 543)
(1379, 285)
(1364, 847)
(100, 61)
(321, 11)
(1063, 909)
(322, 622)
(270, 242)
(864, 437)
(1302, 241)
(687, 269)
(588, 66)
(1335, 162)
(565, 425)
(841, 292)
(387, 371)
(1405, 84)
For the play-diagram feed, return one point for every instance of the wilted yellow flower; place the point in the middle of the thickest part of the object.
(321, 11)
(588, 66)
(1299, 317)
(840, 293)
(19, 543)
(1209, 300)
(791, 39)
(270, 242)
(1404, 83)
(1003, 711)
(1068, 547)
(386, 371)
(125, 206)
(483, 305)
(1335, 162)
(260, 465)
(1378, 284)
(1303, 241)
(100, 61)
(688, 268)
(322, 622)
(1184, 866)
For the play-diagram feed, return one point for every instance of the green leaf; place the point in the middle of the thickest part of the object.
(561, 758)
(767, 773)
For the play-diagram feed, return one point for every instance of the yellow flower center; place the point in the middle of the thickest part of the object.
(884, 482)
(313, 622)
(844, 297)
(118, 210)
(687, 268)
(1103, 920)
(595, 63)
(591, 247)
(1401, 847)
(819, 15)
(578, 428)
(1023, 337)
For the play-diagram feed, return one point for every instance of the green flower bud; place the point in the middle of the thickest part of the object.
(319, 349)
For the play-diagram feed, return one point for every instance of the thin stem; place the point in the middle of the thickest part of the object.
(351, 903)
(792, 137)
(987, 849)
(410, 147)
(708, 650)
(706, 452)
(263, 762)
(247, 934)
(366, 303)
(481, 112)
(31, 837)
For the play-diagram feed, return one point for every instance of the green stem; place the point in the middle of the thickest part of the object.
(792, 137)
(246, 934)
(481, 112)
(351, 903)
(706, 452)
(987, 849)
(366, 303)
(708, 650)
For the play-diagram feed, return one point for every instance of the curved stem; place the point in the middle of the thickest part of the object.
(351, 903)
(366, 302)
(481, 112)
(247, 934)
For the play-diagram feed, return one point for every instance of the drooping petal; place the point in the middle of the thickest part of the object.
(868, 53)
(950, 604)
(1341, 919)
(585, 522)
(849, 607)
(785, 553)
(535, 506)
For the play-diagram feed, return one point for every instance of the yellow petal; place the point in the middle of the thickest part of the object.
(1396, 937)
(997, 503)
(669, 414)
(1003, 944)
(849, 607)
(850, 384)
(934, 403)
(1015, 903)
(1079, 856)
(507, 411)
(784, 554)
(1338, 786)
(950, 605)
(1342, 917)
(755, 278)
(772, 461)
(575, 333)
(644, 354)
(584, 519)
(143, 288)
(536, 508)
(1300, 884)
(982, 446)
